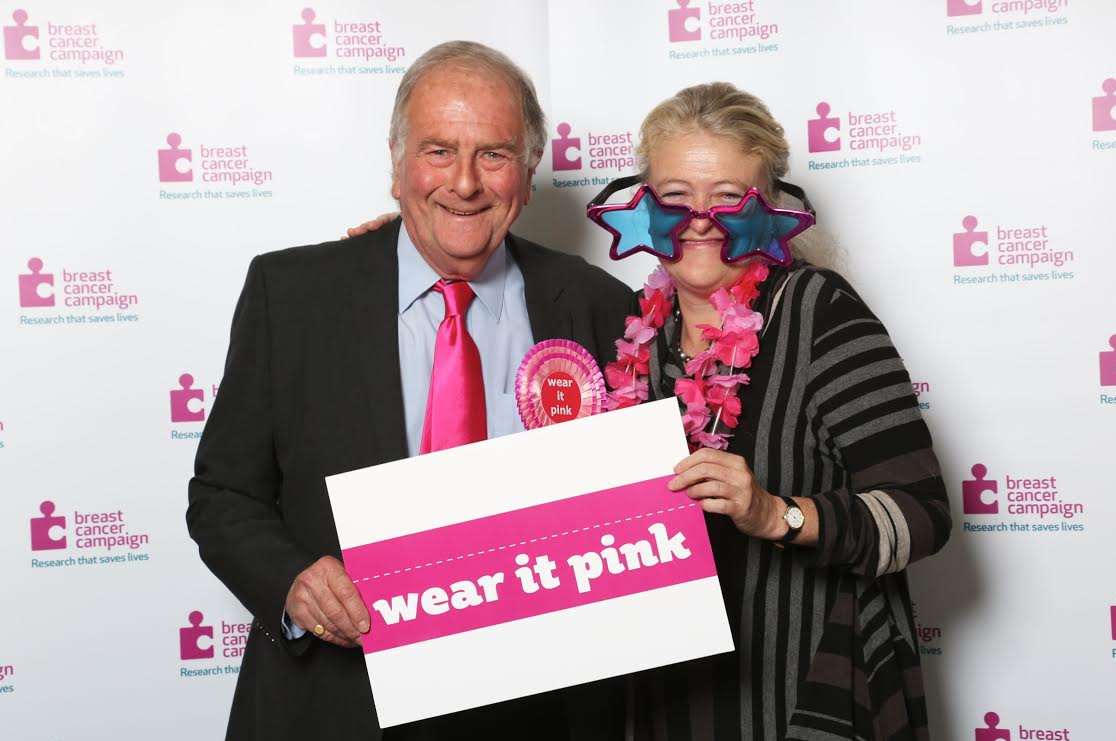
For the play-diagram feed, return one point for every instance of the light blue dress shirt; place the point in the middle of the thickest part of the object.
(497, 321)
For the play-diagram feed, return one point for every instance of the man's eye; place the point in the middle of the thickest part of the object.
(493, 159)
(730, 197)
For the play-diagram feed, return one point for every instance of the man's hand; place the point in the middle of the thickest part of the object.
(370, 226)
(324, 595)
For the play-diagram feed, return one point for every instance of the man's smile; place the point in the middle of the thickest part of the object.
(464, 212)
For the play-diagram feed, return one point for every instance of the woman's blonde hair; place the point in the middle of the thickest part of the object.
(721, 109)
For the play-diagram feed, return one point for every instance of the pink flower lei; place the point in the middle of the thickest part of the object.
(711, 399)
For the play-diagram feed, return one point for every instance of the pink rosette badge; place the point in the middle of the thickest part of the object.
(557, 381)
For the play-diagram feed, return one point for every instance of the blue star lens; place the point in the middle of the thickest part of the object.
(646, 225)
(755, 230)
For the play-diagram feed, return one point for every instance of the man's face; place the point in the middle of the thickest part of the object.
(463, 176)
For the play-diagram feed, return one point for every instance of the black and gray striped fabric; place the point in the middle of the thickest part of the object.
(825, 636)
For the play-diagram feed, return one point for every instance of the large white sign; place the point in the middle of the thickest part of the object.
(527, 563)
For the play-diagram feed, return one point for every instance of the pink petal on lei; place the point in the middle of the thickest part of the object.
(710, 440)
(636, 330)
(727, 380)
(722, 300)
(742, 319)
(659, 280)
(626, 348)
(612, 403)
(736, 351)
(709, 332)
(717, 396)
(699, 363)
(628, 395)
(691, 391)
(617, 376)
(695, 420)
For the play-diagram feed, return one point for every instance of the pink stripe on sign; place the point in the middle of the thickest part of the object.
(529, 561)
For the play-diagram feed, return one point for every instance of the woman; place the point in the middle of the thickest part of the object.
(827, 424)
(826, 487)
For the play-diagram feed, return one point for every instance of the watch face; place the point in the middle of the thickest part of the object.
(795, 518)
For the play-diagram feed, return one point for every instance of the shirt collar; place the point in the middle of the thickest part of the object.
(416, 277)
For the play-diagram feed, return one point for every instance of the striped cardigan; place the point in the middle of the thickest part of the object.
(825, 640)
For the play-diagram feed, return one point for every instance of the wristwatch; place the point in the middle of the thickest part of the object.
(794, 519)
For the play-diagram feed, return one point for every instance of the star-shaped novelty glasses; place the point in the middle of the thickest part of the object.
(646, 224)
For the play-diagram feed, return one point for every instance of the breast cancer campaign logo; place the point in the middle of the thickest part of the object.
(357, 46)
(21, 41)
(873, 138)
(309, 38)
(1031, 252)
(823, 134)
(733, 28)
(973, 491)
(970, 247)
(993, 732)
(36, 288)
(593, 150)
(565, 150)
(684, 22)
(961, 8)
(1104, 107)
(190, 638)
(956, 8)
(187, 404)
(1032, 503)
(89, 530)
(211, 640)
(48, 531)
(1006, 15)
(1108, 364)
(89, 297)
(223, 169)
(68, 40)
(175, 161)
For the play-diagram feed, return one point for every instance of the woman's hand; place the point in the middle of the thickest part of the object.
(370, 226)
(723, 484)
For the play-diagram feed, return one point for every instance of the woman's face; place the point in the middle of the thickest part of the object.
(702, 170)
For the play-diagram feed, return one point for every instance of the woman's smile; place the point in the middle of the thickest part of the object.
(700, 244)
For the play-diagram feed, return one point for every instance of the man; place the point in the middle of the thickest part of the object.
(355, 353)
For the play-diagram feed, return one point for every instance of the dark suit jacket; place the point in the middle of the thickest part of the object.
(312, 388)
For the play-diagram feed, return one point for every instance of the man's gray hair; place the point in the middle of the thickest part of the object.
(474, 56)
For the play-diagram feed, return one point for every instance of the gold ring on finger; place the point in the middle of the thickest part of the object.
(319, 630)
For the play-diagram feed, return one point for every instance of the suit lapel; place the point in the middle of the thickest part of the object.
(543, 284)
(375, 306)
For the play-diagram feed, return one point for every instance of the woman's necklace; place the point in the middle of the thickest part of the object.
(686, 358)
(710, 399)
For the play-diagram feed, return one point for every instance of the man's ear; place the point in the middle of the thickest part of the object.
(529, 188)
(394, 172)
(395, 182)
(530, 179)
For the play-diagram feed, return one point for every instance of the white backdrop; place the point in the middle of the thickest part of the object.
(124, 264)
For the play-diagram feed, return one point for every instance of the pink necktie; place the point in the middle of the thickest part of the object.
(455, 412)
